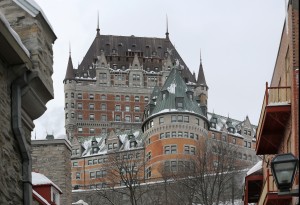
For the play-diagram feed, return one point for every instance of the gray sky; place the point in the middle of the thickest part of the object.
(239, 40)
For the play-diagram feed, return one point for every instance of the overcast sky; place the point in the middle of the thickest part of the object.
(239, 40)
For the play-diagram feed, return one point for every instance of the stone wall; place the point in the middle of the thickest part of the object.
(53, 159)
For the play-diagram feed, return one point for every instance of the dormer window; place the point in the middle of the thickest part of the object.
(213, 125)
(179, 102)
(132, 144)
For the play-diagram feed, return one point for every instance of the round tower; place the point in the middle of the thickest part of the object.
(69, 90)
(173, 128)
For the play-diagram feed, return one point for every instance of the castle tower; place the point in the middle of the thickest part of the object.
(173, 127)
(201, 91)
(69, 89)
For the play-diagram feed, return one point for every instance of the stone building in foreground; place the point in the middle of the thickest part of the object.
(26, 60)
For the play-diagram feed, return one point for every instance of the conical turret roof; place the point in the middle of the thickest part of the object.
(201, 78)
(70, 74)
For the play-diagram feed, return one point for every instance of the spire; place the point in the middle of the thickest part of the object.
(167, 32)
(70, 75)
(98, 29)
(201, 77)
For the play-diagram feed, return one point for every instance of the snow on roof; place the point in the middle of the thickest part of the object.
(14, 34)
(279, 103)
(80, 202)
(255, 168)
(40, 197)
(31, 7)
(172, 88)
(40, 179)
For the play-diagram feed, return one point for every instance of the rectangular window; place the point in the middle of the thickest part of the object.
(186, 149)
(102, 75)
(161, 120)
(103, 106)
(118, 108)
(79, 129)
(234, 141)
(75, 164)
(137, 118)
(127, 108)
(137, 98)
(92, 106)
(173, 118)
(92, 175)
(92, 117)
(173, 149)
(186, 119)
(77, 175)
(245, 143)
(249, 144)
(173, 134)
(146, 99)
(192, 150)
(103, 97)
(103, 118)
(118, 118)
(136, 108)
(127, 98)
(127, 119)
(179, 134)
(90, 162)
(162, 135)
(118, 98)
(167, 149)
(92, 130)
(186, 135)
(79, 96)
(148, 172)
(91, 96)
(197, 121)
(79, 106)
(180, 118)
(168, 135)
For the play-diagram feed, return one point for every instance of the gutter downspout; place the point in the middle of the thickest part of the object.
(18, 131)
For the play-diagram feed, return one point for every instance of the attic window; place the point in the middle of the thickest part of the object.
(132, 144)
(179, 102)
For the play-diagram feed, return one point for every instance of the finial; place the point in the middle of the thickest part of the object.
(98, 29)
(200, 57)
(167, 32)
(69, 49)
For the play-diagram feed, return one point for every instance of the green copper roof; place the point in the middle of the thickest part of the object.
(173, 92)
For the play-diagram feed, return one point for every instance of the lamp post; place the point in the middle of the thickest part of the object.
(283, 167)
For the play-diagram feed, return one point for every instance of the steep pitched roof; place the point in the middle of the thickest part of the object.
(175, 88)
(70, 75)
(201, 78)
(155, 48)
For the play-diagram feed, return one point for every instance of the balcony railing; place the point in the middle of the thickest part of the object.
(274, 97)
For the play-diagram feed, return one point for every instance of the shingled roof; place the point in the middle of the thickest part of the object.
(201, 78)
(70, 75)
(118, 51)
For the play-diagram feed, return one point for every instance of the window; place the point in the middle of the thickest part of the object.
(146, 99)
(132, 144)
(72, 95)
(92, 175)
(249, 133)
(118, 118)
(191, 135)
(118, 108)
(103, 106)
(186, 149)
(67, 115)
(110, 146)
(192, 150)
(127, 98)
(148, 156)
(137, 98)
(162, 135)
(75, 151)
(92, 106)
(161, 120)
(173, 118)
(103, 97)
(77, 175)
(245, 132)
(90, 162)
(213, 135)
(127, 108)
(137, 118)
(136, 108)
(115, 145)
(249, 144)
(79, 106)
(66, 106)
(170, 149)
(148, 172)
(118, 98)
(173, 134)
(72, 115)
(234, 141)
(179, 134)
(66, 95)
(79, 129)
(167, 149)
(103, 118)
(197, 121)
(186, 135)
(168, 135)
(72, 105)
(79, 96)
(92, 117)
(173, 149)
(186, 119)
(102, 75)
(91, 96)
(180, 118)
(245, 143)
(127, 118)
(92, 130)
(223, 137)
(75, 164)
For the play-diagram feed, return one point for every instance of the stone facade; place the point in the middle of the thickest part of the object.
(26, 86)
(53, 159)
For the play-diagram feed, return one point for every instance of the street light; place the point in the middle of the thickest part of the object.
(283, 167)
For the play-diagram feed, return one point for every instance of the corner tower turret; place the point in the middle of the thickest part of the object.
(69, 89)
(201, 91)
(173, 126)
